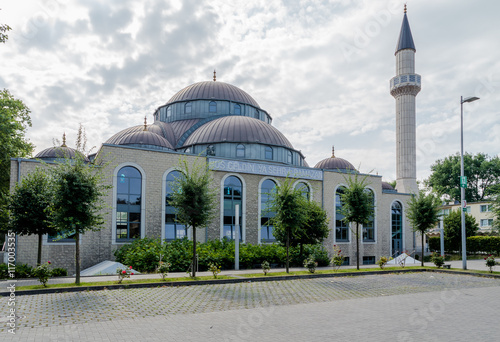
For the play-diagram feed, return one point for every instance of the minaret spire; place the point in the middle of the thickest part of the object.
(64, 140)
(404, 87)
(145, 124)
(215, 76)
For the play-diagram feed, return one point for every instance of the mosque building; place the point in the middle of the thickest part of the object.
(220, 124)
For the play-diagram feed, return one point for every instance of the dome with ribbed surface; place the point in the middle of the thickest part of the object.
(144, 138)
(387, 186)
(334, 163)
(59, 152)
(160, 128)
(237, 129)
(210, 90)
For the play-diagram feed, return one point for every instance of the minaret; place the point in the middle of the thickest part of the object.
(405, 87)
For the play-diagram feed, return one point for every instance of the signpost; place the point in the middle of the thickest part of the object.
(463, 182)
(237, 237)
(464, 206)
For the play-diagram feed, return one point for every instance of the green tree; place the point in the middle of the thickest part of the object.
(291, 215)
(314, 229)
(423, 214)
(194, 199)
(14, 120)
(30, 205)
(357, 205)
(495, 204)
(452, 227)
(78, 200)
(4, 28)
(482, 172)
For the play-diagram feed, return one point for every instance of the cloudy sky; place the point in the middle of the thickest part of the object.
(320, 68)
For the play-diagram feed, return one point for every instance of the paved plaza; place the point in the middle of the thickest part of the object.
(404, 307)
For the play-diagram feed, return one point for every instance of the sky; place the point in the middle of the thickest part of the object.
(320, 68)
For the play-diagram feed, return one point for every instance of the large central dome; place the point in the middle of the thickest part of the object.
(210, 90)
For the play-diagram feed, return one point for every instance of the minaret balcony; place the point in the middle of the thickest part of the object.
(408, 81)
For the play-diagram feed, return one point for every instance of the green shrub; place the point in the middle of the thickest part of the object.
(4, 271)
(24, 271)
(59, 272)
(142, 254)
(484, 244)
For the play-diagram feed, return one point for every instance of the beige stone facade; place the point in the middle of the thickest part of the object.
(154, 167)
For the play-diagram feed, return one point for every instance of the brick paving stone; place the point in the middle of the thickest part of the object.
(407, 301)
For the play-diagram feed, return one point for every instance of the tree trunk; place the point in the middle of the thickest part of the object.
(77, 258)
(287, 249)
(357, 246)
(422, 248)
(39, 257)
(194, 253)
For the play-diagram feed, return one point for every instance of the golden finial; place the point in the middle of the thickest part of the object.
(64, 140)
(215, 76)
(405, 8)
(333, 151)
(145, 124)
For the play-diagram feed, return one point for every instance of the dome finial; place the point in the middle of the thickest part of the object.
(64, 140)
(405, 8)
(145, 124)
(215, 76)
(333, 151)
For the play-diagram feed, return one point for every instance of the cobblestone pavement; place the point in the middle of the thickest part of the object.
(108, 315)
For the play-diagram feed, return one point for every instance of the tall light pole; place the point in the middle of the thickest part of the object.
(463, 180)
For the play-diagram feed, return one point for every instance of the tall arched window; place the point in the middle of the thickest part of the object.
(266, 229)
(396, 229)
(169, 111)
(187, 108)
(128, 204)
(240, 151)
(304, 189)
(233, 194)
(289, 157)
(173, 229)
(341, 228)
(269, 153)
(212, 108)
(369, 228)
(237, 109)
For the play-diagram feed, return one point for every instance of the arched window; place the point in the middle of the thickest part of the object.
(173, 229)
(233, 194)
(128, 204)
(210, 150)
(187, 108)
(240, 151)
(169, 111)
(341, 228)
(237, 109)
(304, 189)
(212, 108)
(266, 229)
(289, 157)
(396, 228)
(369, 228)
(269, 153)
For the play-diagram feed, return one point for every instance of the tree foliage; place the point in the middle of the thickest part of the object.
(194, 199)
(482, 172)
(291, 214)
(495, 208)
(30, 206)
(313, 230)
(78, 200)
(452, 227)
(14, 120)
(357, 205)
(3, 29)
(423, 214)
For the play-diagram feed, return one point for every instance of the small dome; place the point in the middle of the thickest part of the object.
(161, 129)
(144, 138)
(387, 186)
(242, 129)
(59, 152)
(211, 90)
(334, 163)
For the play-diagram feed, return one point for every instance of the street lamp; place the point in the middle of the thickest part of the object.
(463, 181)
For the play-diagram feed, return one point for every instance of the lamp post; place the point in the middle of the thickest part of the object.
(463, 181)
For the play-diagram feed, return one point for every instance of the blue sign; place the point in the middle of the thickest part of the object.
(264, 169)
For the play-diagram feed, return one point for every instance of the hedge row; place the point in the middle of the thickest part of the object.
(475, 244)
(144, 254)
(26, 271)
